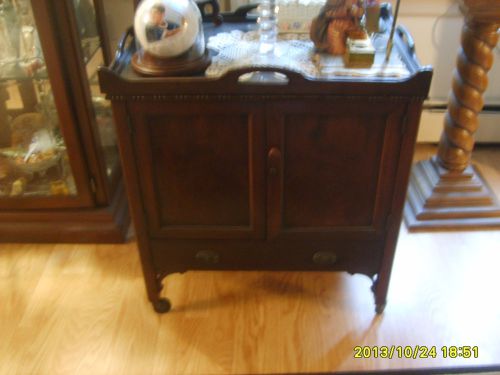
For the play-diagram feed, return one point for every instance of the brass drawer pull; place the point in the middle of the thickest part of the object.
(324, 258)
(207, 257)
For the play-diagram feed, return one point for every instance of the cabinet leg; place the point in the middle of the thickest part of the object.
(154, 285)
(380, 296)
(162, 305)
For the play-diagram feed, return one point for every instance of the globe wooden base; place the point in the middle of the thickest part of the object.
(150, 65)
(439, 199)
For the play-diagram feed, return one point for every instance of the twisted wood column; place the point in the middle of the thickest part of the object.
(470, 80)
(446, 192)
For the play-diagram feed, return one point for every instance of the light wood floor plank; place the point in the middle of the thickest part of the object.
(82, 309)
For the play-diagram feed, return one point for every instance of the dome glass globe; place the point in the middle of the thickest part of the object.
(169, 28)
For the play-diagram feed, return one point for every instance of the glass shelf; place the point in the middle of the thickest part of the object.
(33, 155)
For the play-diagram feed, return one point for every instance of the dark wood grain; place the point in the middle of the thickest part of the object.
(201, 168)
(331, 143)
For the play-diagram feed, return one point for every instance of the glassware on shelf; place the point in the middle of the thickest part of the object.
(9, 30)
(32, 149)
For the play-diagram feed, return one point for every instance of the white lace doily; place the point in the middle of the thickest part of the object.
(238, 49)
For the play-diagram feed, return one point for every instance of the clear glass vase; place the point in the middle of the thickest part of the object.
(268, 26)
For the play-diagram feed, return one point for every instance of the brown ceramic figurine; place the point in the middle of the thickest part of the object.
(372, 16)
(337, 20)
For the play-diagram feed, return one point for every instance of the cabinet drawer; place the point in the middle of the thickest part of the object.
(182, 255)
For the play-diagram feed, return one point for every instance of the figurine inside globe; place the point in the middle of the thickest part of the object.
(169, 36)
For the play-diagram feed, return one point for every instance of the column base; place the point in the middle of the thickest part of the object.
(440, 200)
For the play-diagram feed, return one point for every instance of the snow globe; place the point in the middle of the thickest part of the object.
(169, 37)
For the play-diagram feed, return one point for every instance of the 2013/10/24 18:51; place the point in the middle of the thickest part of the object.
(415, 352)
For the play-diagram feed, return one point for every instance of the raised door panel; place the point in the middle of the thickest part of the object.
(337, 167)
(202, 169)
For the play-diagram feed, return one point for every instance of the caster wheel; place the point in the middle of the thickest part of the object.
(379, 308)
(162, 305)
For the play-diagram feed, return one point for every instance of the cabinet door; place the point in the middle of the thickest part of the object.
(201, 168)
(332, 166)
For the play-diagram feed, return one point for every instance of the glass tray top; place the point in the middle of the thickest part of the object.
(239, 49)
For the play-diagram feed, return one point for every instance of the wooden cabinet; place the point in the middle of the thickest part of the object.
(310, 175)
(60, 174)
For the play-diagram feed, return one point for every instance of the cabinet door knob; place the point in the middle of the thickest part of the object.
(324, 258)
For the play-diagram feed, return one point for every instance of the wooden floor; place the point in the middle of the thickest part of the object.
(82, 309)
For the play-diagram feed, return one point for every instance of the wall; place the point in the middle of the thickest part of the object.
(119, 16)
(436, 25)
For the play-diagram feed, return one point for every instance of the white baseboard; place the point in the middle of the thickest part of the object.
(432, 122)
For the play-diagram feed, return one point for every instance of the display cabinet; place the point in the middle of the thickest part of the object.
(60, 174)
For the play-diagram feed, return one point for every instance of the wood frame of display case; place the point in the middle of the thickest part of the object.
(99, 210)
(77, 81)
